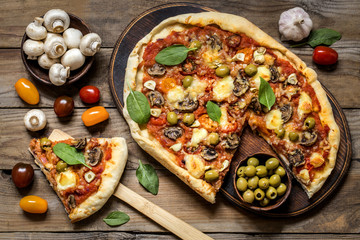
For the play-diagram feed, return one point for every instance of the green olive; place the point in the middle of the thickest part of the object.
(293, 136)
(188, 119)
(272, 163)
(251, 70)
(241, 184)
(61, 166)
(275, 180)
(45, 143)
(280, 133)
(264, 202)
(259, 194)
(214, 138)
(211, 175)
(250, 171)
(195, 44)
(263, 183)
(248, 196)
(172, 118)
(309, 123)
(187, 81)
(222, 71)
(280, 171)
(241, 171)
(281, 189)
(261, 171)
(253, 182)
(253, 161)
(271, 193)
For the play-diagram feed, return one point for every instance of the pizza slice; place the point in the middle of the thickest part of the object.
(88, 173)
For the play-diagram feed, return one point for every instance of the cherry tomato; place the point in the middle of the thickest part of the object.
(63, 106)
(89, 94)
(27, 91)
(22, 174)
(33, 204)
(94, 116)
(324, 55)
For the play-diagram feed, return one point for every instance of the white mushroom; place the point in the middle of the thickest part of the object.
(46, 62)
(54, 46)
(73, 59)
(72, 37)
(33, 48)
(35, 30)
(35, 120)
(90, 44)
(56, 20)
(58, 74)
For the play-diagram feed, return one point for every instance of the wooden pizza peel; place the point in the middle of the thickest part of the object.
(149, 209)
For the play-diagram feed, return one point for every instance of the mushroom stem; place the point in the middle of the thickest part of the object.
(38, 21)
(34, 121)
(65, 73)
(58, 26)
(95, 46)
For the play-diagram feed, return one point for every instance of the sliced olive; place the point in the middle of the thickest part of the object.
(275, 180)
(248, 196)
(271, 193)
(281, 189)
(264, 183)
(280, 171)
(251, 70)
(272, 163)
(195, 44)
(309, 123)
(241, 171)
(253, 161)
(253, 182)
(61, 166)
(172, 118)
(188, 119)
(264, 202)
(211, 175)
(250, 171)
(241, 184)
(293, 136)
(214, 138)
(280, 133)
(45, 143)
(187, 81)
(259, 194)
(261, 171)
(222, 71)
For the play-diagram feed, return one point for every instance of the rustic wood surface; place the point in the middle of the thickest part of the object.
(337, 218)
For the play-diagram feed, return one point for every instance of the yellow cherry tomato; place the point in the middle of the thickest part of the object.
(33, 204)
(27, 91)
(94, 116)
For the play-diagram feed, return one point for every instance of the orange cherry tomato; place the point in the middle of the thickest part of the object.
(167, 84)
(33, 204)
(27, 91)
(94, 116)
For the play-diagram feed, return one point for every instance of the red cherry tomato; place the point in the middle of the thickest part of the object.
(22, 174)
(89, 94)
(63, 106)
(324, 55)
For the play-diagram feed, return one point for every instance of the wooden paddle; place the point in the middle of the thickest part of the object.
(156, 213)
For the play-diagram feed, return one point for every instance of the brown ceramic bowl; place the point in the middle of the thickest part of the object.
(43, 74)
(273, 203)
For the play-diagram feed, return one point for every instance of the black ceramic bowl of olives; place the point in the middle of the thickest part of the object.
(262, 182)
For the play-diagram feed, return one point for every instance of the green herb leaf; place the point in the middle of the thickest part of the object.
(173, 55)
(69, 154)
(323, 36)
(147, 177)
(138, 106)
(266, 94)
(116, 218)
(213, 111)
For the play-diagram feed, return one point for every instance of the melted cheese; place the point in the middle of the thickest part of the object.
(273, 119)
(316, 160)
(65, 180)
(198, 135)
(223, 89)
(305, 104)
(175, 94)
(211, 56)
(196, 88)
(304, 176)
(263, 72)
(195, 165)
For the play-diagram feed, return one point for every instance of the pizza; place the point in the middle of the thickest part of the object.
(228, 60)
(83, 190)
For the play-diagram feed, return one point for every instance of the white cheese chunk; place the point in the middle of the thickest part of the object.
(196, 89)
(195, 124)
(316, 159)
(223, 89)
(175, 94)
(195, 165)
(66, 180)
(225, 164)
(304, 176)
(273, 119)
(305, 104)
(263, 72)
(176, 147)
(198, 135)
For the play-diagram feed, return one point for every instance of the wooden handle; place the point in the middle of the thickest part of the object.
(159, 215)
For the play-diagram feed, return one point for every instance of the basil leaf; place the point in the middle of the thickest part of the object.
(69, 154)
(266, 94)
(147, 177)
(173, 55)
(213, 111)
(116, 218)
(138, 107)
(323, 36)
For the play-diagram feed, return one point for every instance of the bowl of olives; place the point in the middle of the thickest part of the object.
(261, 182)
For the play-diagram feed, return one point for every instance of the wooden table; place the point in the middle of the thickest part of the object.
(338, 217)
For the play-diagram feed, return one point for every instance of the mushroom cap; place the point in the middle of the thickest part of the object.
(156, 70)
(73, 58)
(156, 99)
(33, 48)
(35, 30)
(35, 120)
(72, 37)
(187, 105)
(59, 17)
(173, 132)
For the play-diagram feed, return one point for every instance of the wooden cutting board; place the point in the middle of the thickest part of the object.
(298, 201)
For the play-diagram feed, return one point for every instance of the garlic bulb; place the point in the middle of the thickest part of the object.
(55, 46)
(72, 37)
(35, 30)
(90, 44)
(58, 74)
(33, 49)
(56, 20)
(73, 59)
(295, 24)
(45, 62)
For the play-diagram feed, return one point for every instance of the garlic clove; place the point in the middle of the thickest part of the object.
(33, 48)
(73, 59)
(35, 120)
(35, 30)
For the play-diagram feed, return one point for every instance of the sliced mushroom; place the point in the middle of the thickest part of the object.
(79, 143)
(188, 67)
(241, 85)
(94, 156)
(71, 201)
(233, 41)
(214, 42)
(255, 105)
(275, 75)
(209, 154)
(156, 99)
(157, 70)
(232, 141)
(286, 112)
(173, 132)
(308, 138)
(187, 105)
(296, 158)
